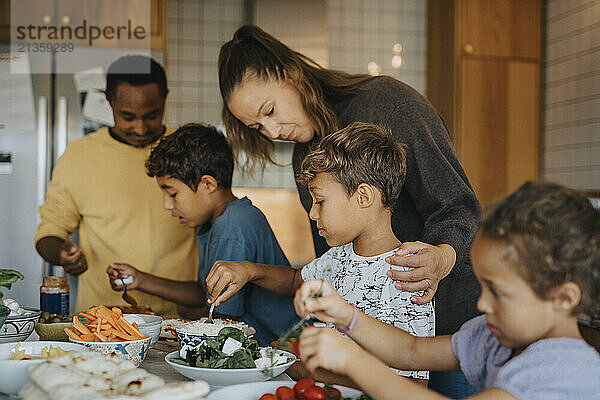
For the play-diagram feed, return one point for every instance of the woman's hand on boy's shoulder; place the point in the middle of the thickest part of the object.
(430, 264)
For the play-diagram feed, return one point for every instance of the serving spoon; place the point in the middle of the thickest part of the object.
(209, 320)
(127, 297)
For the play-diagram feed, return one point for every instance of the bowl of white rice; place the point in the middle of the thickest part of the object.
(194, 332)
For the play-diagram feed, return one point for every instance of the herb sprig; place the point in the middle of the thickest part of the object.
(7, 278)
(299, 326)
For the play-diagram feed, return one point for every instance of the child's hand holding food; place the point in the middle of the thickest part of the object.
(318, 344)
(124, 274)
(320, 299)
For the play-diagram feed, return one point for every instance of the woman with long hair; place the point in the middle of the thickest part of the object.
(271, 92)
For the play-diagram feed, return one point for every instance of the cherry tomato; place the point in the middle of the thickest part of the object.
(268, 396)
(285, 393)
(314, 393)
(332, 393)
(301, 386)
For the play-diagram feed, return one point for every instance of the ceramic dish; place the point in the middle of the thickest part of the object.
(253, 391)
(53, 330)
(191, 333)
(4, 311)
(132, 350)
(149, 327)
(14, 372)
(224, 377)
(17, 328)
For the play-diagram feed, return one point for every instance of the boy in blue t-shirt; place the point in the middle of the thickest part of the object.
(193, 167)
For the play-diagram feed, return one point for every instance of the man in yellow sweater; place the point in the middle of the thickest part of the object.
(100, 186)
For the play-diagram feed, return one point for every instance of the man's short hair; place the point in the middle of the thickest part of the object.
(359, 153)
(190, 152)
(136, 70)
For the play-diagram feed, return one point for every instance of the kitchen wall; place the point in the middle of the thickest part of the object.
(352, 35)
(360, 33)
(571, 122)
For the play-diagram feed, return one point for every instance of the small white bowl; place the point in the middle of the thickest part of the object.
(224, 377)
(132, 350)
(14, 372)
(17, 328)
(150, 327)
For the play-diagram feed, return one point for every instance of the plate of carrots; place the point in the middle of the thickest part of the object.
(107, 331)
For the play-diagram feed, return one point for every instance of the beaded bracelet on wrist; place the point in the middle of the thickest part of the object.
(352, 322)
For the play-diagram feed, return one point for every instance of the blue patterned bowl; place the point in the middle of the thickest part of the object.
(132, 350)
(4, 311)
(17, 328)
(191, 339)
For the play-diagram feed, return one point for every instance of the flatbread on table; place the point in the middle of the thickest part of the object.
(72, 377)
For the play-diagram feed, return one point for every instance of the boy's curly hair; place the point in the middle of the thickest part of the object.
(359, 153)
(191, 151)
(553, 234)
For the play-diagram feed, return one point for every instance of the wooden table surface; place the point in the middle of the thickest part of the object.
(155, 364)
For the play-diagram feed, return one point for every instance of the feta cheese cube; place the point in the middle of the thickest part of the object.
(230, 346)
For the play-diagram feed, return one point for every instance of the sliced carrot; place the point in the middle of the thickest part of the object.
(129, 328)
(72, 334)
(125, 336)
(90, 317)
(107, 315)
(79, 326)
(89, 337)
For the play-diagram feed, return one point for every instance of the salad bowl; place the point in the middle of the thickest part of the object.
(17, 328)
(225, 377)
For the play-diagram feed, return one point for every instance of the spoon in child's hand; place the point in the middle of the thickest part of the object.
(127, 297)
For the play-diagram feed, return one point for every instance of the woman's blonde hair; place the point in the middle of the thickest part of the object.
(252, 50)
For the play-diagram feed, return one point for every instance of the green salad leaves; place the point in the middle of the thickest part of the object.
(7, 278)
(209, 354)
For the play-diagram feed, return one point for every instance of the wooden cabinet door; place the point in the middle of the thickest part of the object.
(158, 24)
(121, 22)
(500, 28)
(4, 21)
(498, 135)
(72, 13)
(34, 12)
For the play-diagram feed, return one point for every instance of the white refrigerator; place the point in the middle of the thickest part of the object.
(40, 113)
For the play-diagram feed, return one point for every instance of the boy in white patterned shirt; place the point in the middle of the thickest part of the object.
(354, 176)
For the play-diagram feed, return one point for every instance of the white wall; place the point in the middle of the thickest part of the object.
(358, 31)
(571, 123)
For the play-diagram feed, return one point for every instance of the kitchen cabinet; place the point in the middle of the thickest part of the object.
(484, 67)
(71, 11)
(288, 220)
(500, 28)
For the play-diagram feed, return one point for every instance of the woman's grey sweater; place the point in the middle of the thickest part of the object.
(437, 204)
